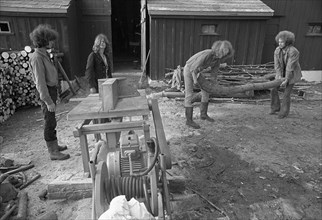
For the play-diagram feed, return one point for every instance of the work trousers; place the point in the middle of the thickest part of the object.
(188, 84)
(276, 105)
(50, 123)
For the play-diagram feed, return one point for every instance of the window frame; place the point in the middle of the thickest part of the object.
(310, 34)
(209, 34)
(9, 27)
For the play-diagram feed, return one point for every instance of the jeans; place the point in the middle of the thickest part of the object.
(284, 108)
(50, 133)
(188, 88)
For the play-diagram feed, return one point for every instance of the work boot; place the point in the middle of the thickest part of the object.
(189, 121)
(54, 151)
(203, 112)
(62, 147)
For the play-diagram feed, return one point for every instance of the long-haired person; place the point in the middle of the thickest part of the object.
(209, 59)
(45, 76)
(287, 66)
(98, 62)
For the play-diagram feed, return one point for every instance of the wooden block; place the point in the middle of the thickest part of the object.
(100, 91)
(75, 189)
(109, 94)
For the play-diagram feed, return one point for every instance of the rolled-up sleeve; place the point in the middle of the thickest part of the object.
(40, 80)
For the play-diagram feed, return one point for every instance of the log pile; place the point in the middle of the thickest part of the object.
(232, 75)
(16, 85)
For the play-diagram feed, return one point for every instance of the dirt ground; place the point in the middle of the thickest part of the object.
(249, 164)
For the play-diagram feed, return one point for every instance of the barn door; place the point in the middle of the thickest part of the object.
(144, 33)
(95, 19)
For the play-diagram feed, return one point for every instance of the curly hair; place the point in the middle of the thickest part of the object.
(42, 34)
(97, 43)
(287, 36)
(223, 49)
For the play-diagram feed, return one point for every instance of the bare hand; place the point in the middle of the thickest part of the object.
(223, 65)
(284, 83)
(92, 90)
(51, 107)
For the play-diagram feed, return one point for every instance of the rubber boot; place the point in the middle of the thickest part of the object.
(189, 121)
(54, 152)
(203, 112)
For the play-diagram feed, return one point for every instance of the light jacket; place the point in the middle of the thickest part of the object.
(287, 65)
(44, 73)
(202, 61)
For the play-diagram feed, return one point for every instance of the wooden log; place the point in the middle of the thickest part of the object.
(23, 168)
(22, 206)
(8, 213)
(216, 89)
(74, 190)
(82, 188)
(30, 182)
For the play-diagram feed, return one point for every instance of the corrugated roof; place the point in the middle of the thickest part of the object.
(209, 7)
(41, 6)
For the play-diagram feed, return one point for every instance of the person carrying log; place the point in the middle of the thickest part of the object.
(45, 76)
(287, 67)
(207, 60)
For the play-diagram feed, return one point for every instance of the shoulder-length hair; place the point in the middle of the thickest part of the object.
(97, 42)
(42, 34)
(287, 36)
(223, 49)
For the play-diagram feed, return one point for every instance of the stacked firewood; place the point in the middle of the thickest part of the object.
(241, 74)
(231, 75)
(16, 85)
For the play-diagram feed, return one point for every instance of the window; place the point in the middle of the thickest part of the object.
(209, 29)
(5, 27)
(314, 29)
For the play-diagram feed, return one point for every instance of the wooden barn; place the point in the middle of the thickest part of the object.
(180, 28)
(304, 19)
(20, 17)
(119, 20)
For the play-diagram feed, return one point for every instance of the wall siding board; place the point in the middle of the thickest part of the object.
(294, 15)
(173, 41)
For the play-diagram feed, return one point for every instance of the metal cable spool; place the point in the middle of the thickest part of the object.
(106, 188)
(113, 179)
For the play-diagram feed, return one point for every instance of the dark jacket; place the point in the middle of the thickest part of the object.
(96, 69)
(287, 65)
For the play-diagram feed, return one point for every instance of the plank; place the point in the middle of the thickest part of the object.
(92, 108)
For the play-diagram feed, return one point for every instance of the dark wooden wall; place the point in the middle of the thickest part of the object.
(94, 18)
(24, 23)
(174, 40)
(295, 15)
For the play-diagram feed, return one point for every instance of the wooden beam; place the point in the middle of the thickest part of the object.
(160, 132)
